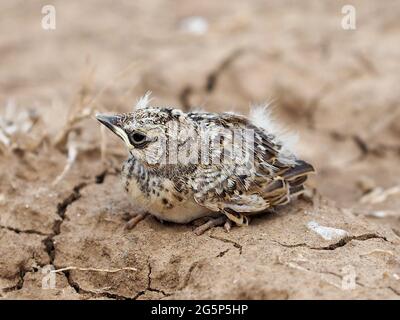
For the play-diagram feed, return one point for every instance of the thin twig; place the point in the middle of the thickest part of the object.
(72, 155)
(94, 269)
(103, 143)
(85, 109)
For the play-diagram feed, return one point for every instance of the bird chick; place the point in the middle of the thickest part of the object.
(185, 166)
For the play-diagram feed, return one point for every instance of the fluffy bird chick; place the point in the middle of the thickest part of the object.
(185, 166)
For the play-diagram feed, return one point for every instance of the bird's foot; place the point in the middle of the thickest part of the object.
(213, 222)
(135, 219)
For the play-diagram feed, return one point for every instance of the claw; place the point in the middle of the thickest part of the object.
(228, 225)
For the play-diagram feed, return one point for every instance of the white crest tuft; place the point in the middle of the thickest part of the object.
(144, 101)
(261, 116)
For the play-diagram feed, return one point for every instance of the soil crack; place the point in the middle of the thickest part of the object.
(213, 76)
(19, 284)
(211, 79)
(235, 244)
(62, 208)
(341, 243)
(28, 231)
(95, 294)
(188, 275)
(222, 253)
(149, 286)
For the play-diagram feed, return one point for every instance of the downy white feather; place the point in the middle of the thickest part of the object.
(143, 101)
(261, 116)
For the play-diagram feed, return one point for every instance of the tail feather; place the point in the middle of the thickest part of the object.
(287, 184)
(294, 191)
(299, 181)
(300, 169)
(297, 176)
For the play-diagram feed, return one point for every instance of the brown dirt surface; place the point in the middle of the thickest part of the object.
(337, 88)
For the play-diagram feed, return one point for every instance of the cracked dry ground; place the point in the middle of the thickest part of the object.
(81, 224)
(344, 105)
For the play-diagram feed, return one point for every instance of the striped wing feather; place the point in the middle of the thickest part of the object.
(234, 186)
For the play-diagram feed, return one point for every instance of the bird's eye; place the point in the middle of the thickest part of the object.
(137, 138)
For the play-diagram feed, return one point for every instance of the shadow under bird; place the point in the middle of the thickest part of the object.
(185, 166)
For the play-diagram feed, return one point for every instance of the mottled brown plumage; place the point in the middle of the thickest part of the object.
(184, 166)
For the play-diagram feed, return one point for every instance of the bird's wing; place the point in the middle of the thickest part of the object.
(231, 181)
(219, 189)
(253, 185)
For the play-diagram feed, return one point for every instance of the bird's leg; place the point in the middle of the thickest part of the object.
(213, 222)
(137, 217)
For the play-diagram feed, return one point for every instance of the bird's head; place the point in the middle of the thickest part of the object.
(149, 133)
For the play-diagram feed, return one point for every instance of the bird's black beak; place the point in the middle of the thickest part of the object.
(110, 121)
(113, 122)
